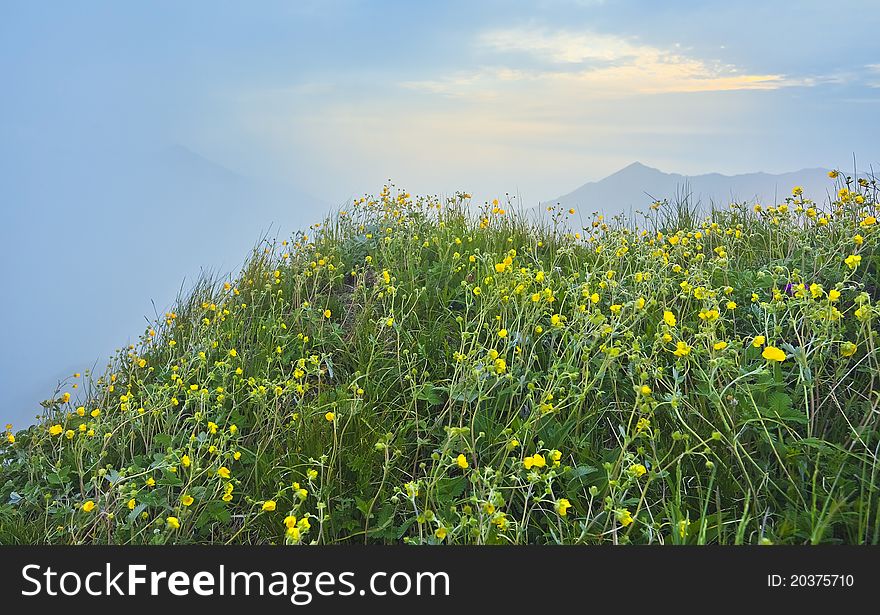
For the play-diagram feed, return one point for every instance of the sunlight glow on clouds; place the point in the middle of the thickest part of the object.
(598, 64)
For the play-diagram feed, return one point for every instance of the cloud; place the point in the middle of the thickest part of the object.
(588, 65)
(874, 77)
(562, 46)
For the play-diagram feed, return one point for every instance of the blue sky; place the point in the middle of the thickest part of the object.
(330, 99)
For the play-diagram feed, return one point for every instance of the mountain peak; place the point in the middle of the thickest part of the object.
(634, 168)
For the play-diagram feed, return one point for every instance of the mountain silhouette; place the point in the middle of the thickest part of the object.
(636, 186)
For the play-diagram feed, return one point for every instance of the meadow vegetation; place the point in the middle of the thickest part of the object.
(422, 370)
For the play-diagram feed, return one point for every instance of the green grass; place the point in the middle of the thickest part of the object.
(414, 370)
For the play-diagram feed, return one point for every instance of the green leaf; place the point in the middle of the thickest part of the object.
(449, 488)
(136, 511)
(580, 471)
(429, 393)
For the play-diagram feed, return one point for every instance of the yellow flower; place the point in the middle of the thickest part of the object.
(10, 438)
(645, 390)
(682, 349)
(462, 462)
(151, 482)
(669, 318)
(88, 506)
(55, 430)
(212, 427)
(853, 260)
(290, 521)
(269, 505)
(683, 527)
(848, 349)
(330, 416)
(643, 423)
(502, 333)
(833, 294)
(65, 398)
(187, 500)
(719, 345)
(772, 353)
(327, 313)
(173, 522)
(731, 305)
(562, 507)
(758, 341)
(535, 461)
(233, 353)
(708, 315)
(624, 517)
(185, 461)
(440, 533)
(637, 470)
(223, 472)
(833, 174)
(500, 366)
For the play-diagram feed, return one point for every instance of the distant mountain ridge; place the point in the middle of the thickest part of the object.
(636, 186)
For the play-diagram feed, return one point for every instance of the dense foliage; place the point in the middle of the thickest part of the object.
(413, 370)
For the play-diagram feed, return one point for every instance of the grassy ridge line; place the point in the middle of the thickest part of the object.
(409, 371)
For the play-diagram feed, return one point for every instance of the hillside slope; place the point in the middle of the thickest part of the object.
(408, 371)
